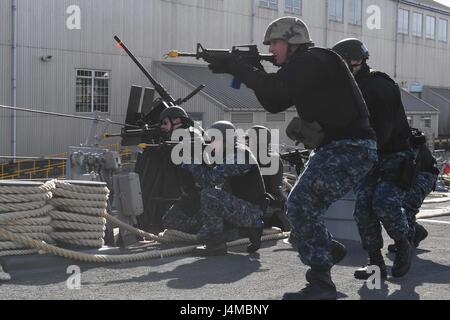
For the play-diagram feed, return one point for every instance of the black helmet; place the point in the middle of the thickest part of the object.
(223, 126)
(172, 113)
(351, 49)
(259, 130)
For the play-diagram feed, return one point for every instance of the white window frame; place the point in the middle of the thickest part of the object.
(440, 29)
(416, 22)
(402, 15)
(294, 7)
(428, 34)
(355, 16)
(424, 120)
(93, 76)
(269, 4)
(333, 11)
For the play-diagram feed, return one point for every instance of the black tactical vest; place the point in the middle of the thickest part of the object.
(249, 187)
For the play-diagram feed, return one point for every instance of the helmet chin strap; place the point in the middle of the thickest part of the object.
(353, 66)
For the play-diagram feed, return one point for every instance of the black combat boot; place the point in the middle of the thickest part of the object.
(254, 234)
(218, 248)
(375, 259)
(337, 251)
(403, 257)
(420, 235)
(320, 287)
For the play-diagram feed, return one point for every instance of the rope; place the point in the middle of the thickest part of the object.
(65, 216)
(82, 222)
(23, 211)
(64, 203)
(14, 198)
(97, 258)
(21, 206)
(81, 189)
(7, 217)
(82, 196)
(46, 187)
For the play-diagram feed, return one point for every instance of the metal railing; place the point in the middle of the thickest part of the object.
(53, 166)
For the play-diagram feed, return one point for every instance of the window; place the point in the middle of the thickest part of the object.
(417, 24)
(242, 117)
(336, 10)
(431, 26)
(293, 6)
(280, 117)
(272, 4)
(355, 12)
(410, 121)
(425, 122)
(403, 21)
(442, 31)
(92, 91)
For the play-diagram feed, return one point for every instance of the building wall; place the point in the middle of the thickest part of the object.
(150, 29)
(444, 108)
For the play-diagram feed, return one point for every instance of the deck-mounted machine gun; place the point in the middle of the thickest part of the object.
(251, 55)
(148, 118)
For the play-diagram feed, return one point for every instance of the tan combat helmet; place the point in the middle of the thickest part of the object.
(291, 29)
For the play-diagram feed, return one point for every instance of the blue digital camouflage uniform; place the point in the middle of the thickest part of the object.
(219, 207)
(177, 218)
(331, 172)
(423, 186)
(380, 199)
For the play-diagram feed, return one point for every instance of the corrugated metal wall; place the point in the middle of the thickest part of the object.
(150, 29)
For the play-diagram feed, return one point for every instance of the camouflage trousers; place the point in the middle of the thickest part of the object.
(331, 172)
(219, 208)
(177, 219)
(424, 185)
(379, 200)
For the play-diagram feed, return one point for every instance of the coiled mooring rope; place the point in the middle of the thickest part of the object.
(86, 220)
(23, 211)
(73, 203)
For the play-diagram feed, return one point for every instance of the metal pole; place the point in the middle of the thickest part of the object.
(66, 115)
(14, 81)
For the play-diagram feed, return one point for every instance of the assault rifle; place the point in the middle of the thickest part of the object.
(251, 55)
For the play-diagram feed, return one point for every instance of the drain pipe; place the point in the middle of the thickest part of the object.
(14, 82)
(252, 25)
(396, 42)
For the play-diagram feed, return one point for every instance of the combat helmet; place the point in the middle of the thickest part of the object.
(351, 49)
(172, 113)
(291, 29)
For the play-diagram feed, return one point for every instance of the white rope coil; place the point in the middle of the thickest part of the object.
(23, 211)
(81, 189)
(11, 216)
(67, 203)
(18, 198)
(61, 224)
(29, 229)
(42, 221)
(79, 215)
(9, 207)
(74, 217)
(81, 196)
(44, 188)
(79, 224)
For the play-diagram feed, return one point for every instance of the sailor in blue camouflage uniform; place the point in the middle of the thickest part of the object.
(232, 195)
(379, 198)
(184, 214)
(424, 184)
(333, 120)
